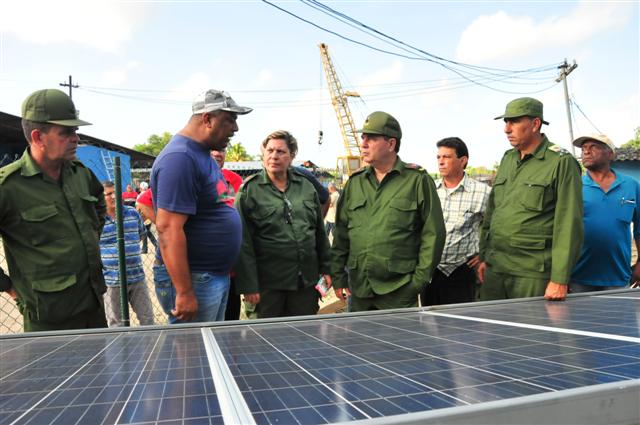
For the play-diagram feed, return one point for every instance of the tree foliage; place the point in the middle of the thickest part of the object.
(154, 144)
(635, 142)
(236, 152)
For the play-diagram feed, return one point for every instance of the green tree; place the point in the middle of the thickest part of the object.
(635, 142)
(236, 152)
(154, 144)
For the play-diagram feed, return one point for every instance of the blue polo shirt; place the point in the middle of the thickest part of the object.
(605, 259)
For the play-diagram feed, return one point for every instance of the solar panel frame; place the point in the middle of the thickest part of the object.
(407, 361)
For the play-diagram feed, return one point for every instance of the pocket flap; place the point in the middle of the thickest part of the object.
(402, 266)
(356, 203)
(89, 198)
(403, 204)
(54, 284)
(40, 213)
(263, 212)
(527, 243)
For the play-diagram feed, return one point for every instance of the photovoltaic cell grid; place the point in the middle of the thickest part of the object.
(325, 370)
(146, 377)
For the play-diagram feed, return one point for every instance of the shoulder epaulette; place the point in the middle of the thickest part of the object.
(411, 166)
(7, 170)
(248, 179)
(560, 151)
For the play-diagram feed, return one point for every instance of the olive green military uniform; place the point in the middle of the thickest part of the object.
(51, 232)
(389, 237)
(284, 246)
(532, 231)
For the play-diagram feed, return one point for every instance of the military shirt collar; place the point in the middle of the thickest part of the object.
(542, 148)
(30, 168)
(398, 167)
(291, 176)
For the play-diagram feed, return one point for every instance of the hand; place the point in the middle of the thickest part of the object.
(342, 293)
(635, 276)
(327, 279)
(252, 298)
(12, 293)
(555, 291)
(482, 267)
(474, 262)
(186, 306)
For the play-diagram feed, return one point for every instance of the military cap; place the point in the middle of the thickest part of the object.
(381, 123)
(51, 106)
(523, 107)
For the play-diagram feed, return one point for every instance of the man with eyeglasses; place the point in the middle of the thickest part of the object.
(610, 208)
(199, 233)
(52, 211)
(389, 231)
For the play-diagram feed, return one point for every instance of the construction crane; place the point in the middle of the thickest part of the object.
(352, 160)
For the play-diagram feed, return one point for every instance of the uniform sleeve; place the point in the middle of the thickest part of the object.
(340, 247)
(485, 227)
(322, 242)
(246, 266)
(97, 190)
(433, 232)
(567, 221)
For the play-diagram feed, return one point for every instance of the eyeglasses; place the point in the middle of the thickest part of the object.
(288, 210)
(110, 194)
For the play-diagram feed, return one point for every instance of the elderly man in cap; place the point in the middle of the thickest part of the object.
(52, 211)
(199, 233)
(610, 206)
(532, 230)
(389, 231)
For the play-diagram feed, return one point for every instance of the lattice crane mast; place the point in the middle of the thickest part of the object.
(351, 162)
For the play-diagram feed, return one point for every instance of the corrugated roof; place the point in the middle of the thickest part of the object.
(627, 154)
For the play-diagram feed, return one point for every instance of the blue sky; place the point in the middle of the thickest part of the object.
(140, 63)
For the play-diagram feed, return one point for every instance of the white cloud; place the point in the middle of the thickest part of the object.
(105, 25)
(265, 77)
(117, 76)
(500, 35)
(188, 89)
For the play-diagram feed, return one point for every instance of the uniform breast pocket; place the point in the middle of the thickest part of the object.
(310, 211)
(402, 213)
(533, 195)
(356, 212)
(265, 216)
(41, 224)
(89, 202)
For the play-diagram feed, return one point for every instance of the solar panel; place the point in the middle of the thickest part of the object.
(525, 361)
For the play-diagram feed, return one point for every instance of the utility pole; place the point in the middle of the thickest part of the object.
(565, 70)
(70, 85)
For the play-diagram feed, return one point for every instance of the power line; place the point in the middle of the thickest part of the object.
(573, 102)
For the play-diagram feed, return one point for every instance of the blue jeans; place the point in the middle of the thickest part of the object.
(211, 291)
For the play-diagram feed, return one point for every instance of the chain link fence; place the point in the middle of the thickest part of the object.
(11, 319)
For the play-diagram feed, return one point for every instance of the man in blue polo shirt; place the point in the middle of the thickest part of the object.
(610, 206)
(199, 234)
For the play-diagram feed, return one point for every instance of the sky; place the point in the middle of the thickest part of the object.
(139, 64)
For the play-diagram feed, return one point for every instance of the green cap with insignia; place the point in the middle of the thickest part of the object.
(51, 106)
(381, 123)
(523, 107)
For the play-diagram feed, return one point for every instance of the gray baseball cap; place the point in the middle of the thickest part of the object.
(216, 100)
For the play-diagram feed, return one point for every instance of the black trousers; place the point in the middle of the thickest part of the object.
(232, 311)
(458, 287)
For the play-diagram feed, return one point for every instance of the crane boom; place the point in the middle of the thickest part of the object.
(351, 162)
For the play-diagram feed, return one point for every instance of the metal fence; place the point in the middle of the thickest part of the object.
(11, 319)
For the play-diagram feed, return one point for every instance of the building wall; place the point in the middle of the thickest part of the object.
(630, 168)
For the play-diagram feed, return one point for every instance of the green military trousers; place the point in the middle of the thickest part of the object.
(404, 297)
(502, 286)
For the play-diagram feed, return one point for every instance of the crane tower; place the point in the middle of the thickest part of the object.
(351, 161)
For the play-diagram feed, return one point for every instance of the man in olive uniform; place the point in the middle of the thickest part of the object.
(532, 230)
(389, 232)
(51, 214)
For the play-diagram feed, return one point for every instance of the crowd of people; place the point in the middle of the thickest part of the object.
(392, 237)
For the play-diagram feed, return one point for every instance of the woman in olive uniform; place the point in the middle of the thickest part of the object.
(284, 246)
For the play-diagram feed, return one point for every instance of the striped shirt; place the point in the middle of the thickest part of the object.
(463, 209)
(133, 231)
